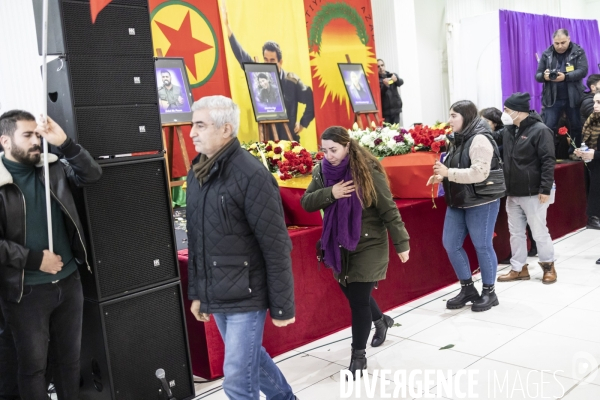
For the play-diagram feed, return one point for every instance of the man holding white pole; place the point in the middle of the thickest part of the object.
(40, 289)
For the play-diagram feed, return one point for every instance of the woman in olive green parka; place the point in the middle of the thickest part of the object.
(351, 187)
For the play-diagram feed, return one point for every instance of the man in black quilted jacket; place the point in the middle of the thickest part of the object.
(239, 250)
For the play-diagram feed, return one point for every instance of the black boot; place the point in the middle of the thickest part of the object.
(467, 293)
(593, 223)
(488, 299)
(358, 362)
(381, 327)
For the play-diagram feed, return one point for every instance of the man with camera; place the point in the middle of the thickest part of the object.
(561, 69)
(391, 103)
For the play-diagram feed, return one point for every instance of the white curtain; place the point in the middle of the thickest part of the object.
(21, 78)
(485, 73)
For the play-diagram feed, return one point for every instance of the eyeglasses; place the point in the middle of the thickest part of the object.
(381, 66)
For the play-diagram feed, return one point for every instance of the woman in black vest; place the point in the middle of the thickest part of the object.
(471, 156)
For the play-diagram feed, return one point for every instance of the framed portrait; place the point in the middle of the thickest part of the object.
(174, 95)
(264, 87)
(357, 87)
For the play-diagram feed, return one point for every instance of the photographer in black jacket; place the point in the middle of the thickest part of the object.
(561, 69)
(391, 103)
(529, 173)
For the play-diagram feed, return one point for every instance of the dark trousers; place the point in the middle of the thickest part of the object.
(392, 118)
(8, 363)
(48, 315)
(593, 200)
(364, 311)
(552, 116)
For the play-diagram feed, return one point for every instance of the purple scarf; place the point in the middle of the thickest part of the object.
(342, 219)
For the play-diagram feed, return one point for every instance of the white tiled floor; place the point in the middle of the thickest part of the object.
(542, 341)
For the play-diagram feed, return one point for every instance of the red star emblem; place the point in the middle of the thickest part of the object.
(183, 44)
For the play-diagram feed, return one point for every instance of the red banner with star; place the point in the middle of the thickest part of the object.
(336, 29)
(191, 30)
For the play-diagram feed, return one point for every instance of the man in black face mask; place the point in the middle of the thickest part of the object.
(529, 175)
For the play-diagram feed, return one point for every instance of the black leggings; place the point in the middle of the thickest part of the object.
(364, 311)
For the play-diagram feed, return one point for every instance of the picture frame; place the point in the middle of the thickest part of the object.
(264, 87)
(357, 87)
(175, 98)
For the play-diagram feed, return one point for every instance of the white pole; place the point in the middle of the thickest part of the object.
(45, 118)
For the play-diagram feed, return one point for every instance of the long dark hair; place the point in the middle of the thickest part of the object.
(468, 110)
(494, 115)
(361, 162)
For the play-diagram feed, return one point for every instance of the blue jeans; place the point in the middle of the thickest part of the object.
(248, 369)
(552, 116)
(479, 223)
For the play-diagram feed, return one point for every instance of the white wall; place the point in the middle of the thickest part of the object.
(409, 37)
(20, 74)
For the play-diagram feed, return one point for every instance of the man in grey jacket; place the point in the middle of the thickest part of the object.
(239, 250)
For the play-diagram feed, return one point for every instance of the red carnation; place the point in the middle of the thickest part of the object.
(269, 148)
(563, 131)
(436, 146)
(277, 150)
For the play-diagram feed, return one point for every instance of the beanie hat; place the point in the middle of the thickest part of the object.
(518, 102)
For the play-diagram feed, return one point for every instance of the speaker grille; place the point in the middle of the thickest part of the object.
(130, 219)
(107, 81)
(107, 131)
(145, 333)
(111, 32)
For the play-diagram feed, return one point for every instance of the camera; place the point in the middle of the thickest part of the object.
(553, 74)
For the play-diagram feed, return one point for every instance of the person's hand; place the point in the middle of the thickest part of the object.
(394, 77)
(225, 17)
(433, 179)
(164, 103)
(586, 155)
(342, 189)
(195, 309)
(386, 81)
(51, 131)
(440, 169)
(281, 323)
(51, 263)
(404, 256)
(180, 100)
(561, 77)
(543, 198)
(298, 128)
(547, 75)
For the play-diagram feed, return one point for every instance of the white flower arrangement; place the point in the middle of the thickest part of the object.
(389, 140)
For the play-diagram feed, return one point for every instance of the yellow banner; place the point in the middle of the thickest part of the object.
(247, 26)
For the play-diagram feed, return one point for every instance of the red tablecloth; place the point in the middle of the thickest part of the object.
(321, 308)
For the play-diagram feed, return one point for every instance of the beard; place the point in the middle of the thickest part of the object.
(26, 157)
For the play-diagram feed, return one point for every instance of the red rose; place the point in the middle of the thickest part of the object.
(436, 146)
(563, 131)
(320, 155)
(294, 144)
(269, 148)
(277, 150)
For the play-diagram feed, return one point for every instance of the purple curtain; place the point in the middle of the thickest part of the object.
(523, 35)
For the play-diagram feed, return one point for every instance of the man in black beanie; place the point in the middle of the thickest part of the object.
(529, 174)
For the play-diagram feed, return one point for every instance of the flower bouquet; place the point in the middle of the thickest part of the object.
(388, 140)
(430, 138)
(287, 158)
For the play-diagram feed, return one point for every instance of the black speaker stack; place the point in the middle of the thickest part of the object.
(102, 91)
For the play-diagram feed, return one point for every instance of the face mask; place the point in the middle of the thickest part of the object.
(506, 119)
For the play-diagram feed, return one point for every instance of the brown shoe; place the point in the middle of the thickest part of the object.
(515, 276)
(549, 272)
